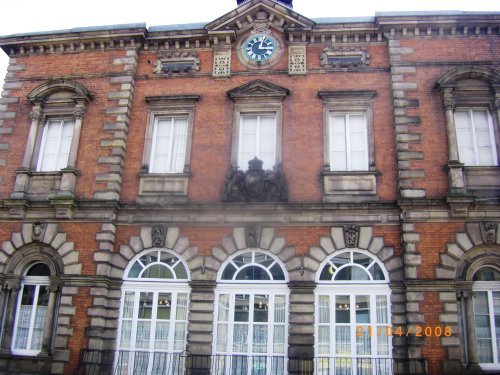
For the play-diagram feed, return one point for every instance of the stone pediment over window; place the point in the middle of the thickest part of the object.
(242, 18)
(258, 89)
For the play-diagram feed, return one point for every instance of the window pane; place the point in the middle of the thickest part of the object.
(382, 309)
(324, 340)
(39, 269)
(182, 305)
(179, 145)
(342, 309)
(145, 305)
(24, 316)
(260, 338)
(279, 309)
(481, 303)
(241, 307)
(363, 343)
(464, 137)
(343, 340)
(324, 309)
(261, 303)
(179, 335)
(362, 309)
(252, 273)
(161, 335)
(163, 306)
(240, 338)
(143, 334)
(157, 271)
(223, 308)
(222, 336)
(126, 334)
(279, 339)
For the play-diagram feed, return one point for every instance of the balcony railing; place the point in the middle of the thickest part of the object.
(121, 362)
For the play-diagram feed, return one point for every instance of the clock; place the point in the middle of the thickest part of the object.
(259, 48)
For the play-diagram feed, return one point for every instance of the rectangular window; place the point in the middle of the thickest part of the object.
(475, 137)
(257, 139)
(168, 151)
(55, 146)
(348, 142)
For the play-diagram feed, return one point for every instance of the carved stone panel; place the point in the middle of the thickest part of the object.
(222, 64)
(489, 232)
(38, 231)
(158, 235)
(351, 235)
(177, 62)
(297, 60)
(344, 57)
(255, 185)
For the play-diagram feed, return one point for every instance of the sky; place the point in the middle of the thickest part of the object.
(23, 16)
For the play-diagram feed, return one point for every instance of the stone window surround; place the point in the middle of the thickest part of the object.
(45, 105)
(348, 185)
(16, 268)
(266, 98)
(166, 184)
(466, 179)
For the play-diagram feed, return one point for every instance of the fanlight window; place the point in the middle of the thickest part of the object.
(352, 266)
(253, 266)
(158, 264)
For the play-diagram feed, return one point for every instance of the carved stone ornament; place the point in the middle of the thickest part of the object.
(79, 113)
(255, 184)
(38, 231)
(344, 57)
(252, 236)
(351, 235)
(261, 28)
(489, 231)
(159, 234)
(177, 62)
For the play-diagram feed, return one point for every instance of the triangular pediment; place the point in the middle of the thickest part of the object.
(258, 89)
(244, 17)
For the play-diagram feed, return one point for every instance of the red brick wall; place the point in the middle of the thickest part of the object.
(433, 240)
(432, 349)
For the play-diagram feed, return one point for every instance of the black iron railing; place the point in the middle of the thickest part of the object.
(121, 362)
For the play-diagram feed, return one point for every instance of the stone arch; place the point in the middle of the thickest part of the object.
(43, 91)
(483, 73)
(479, 240)
(353, 237)
(155, 237)
(249, 238)
(49, 236)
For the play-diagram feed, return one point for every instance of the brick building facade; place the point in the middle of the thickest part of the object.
(262, 194)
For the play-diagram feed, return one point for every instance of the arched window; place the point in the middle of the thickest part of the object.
(486, 301)
(31, 312)
(352, 330)
(153, 314)
(251, 315)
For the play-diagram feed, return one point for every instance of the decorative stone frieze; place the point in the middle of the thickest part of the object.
(255, 184)
(177, 62)
(351, 235)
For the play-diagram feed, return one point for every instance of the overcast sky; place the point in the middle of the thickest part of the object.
(22, 16)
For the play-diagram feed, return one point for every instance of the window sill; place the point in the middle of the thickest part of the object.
(156, 185)
(350, 186)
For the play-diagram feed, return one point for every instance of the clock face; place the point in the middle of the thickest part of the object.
(259, 48)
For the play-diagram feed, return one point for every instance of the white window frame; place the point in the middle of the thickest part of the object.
(370, 288)
(243, 164)
(63, 121)
(171, 147)
(174, 286)
(492, 139)
(270, 288)
(347, 140)
(37, 281)
(489, 287)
